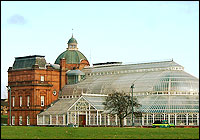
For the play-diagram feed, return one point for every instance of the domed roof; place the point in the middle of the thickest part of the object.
(71, 56)
(72, 40)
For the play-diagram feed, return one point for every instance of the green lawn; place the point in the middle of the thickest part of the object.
(24, 132)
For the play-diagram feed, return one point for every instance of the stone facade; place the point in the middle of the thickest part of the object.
(34, 86)
(26, 83)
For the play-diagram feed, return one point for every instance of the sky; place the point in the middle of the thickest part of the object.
(123, 31)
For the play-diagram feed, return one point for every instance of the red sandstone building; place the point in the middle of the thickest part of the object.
(35, 84)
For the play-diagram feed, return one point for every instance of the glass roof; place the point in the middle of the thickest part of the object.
(161, 64)
(75, 72)
(160, 78)
(62, 106)
(155, 77)
(150, 104)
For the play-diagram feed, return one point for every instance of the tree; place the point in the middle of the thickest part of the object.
(121, 104)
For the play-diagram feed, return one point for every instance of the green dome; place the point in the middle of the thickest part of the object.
(71, 56)
(72, 40)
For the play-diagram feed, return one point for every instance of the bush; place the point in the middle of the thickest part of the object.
(4, 119)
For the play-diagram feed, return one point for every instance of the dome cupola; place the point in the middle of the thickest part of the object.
(72, 40)
(72, 44)
(72, 55)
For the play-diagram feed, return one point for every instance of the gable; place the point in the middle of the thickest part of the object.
(82, 105)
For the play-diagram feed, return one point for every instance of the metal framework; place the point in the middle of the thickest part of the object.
(164, 90)
(98, 117)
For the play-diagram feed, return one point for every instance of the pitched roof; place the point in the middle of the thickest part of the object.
(63, 105)
(60, 107)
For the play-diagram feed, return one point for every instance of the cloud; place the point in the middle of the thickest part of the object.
(17, 19)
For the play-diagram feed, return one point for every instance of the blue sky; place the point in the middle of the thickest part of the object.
(125, 31)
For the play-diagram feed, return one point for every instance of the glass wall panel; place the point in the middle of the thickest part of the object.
(60, 119)
(54, 119)
(150, 119)
(106, 119)
(195, 119)
(40, 119)
(95, 119)
(72, 117)
(172, 118)
(47, 119)
(77, 118)
(166, 117)
(87, 117)
(145, 119)
(112, 120)
(158, 117)
(129, 120)
(192, 119)
(137, 121)
(102, 119)
(118, 121)
(181, 119)
(92, 119)
(98, 119)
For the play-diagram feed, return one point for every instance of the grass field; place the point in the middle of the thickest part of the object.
(24, 132)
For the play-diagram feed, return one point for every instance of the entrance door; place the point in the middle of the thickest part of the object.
(82, 120)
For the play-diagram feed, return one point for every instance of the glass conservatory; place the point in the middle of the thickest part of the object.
(164, 89)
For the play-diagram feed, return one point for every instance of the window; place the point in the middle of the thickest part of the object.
(42, 78)
(20, 101)
(13, 100)
(20, 120)
(28, 100)
(42, 100)
(13, 120)
(28, 120)
(54, 93)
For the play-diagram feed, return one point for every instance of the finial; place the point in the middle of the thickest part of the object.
(72, 32)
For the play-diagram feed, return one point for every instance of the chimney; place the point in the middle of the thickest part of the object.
(62, 63)
(62, 72)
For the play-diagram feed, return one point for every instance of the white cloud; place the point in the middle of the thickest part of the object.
(17, 19)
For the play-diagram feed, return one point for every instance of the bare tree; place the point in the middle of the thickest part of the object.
(121, 104)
